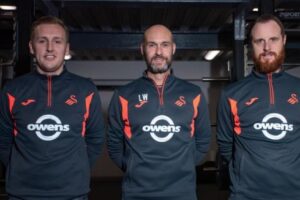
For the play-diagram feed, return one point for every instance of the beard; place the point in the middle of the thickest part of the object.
(154, 69)
(269, 66)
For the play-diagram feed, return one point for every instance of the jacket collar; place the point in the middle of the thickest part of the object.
(44, 76)
(265, 76)
(168, 79)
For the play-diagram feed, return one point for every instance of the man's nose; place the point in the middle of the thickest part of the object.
(158, 50)
(49, 46)
(267, 46)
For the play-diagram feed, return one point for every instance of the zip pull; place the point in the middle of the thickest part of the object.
(49, 92)
(160, 93)
(160, 89)
(271, 89)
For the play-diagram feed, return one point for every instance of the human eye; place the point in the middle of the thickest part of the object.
(274, 39)
(258, 41)
(41, 41)
(166, 44)
(151, 45)
(58, 41)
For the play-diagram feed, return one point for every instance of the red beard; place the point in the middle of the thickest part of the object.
(266, 66)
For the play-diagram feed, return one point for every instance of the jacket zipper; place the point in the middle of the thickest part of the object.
(160, 95)
(49, 95)
(161, 91)
(271, 89)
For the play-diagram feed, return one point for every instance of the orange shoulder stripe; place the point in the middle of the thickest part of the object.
(11, 102)
(234, 111)
(196, 102)
(127, 128)
(88, 101)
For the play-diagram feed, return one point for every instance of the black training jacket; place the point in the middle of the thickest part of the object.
(259, 134)
(158, 138)
(51, 133)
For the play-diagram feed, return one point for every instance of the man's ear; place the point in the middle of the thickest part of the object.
(31, 50)
(174, 48)
(142, 48)
(67, 49)
(284, 39)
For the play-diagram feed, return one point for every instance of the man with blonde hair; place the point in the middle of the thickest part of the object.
(51, 124)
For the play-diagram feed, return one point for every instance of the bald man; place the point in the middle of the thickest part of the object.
(159, 127)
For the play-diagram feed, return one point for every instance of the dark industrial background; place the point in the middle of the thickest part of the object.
(105, 37)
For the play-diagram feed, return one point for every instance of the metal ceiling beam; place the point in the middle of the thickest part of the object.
(294, 4)
(8, 2)
(47, 7)
(95, 40)
(175, 1)
(131, 41)
(292, 44)
(266, 7)
(136, 2)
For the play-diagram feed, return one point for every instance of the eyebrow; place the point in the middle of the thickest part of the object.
(261, 38)
(147, 42)
(45, 37)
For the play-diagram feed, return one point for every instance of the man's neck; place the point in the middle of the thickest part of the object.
(277, 70)
(158, 78)
(54, 73)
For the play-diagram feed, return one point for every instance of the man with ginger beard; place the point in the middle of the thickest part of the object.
(258, 122)
(159, 127)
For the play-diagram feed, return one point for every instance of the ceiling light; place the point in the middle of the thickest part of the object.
(210, 55)
(255, 9)
(68, 57)
(7, 7)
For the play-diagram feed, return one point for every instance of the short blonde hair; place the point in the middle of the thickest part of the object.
(49, 20)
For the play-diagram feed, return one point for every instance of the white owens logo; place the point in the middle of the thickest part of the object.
(57, 127)
(267, 126)
(170, 128)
